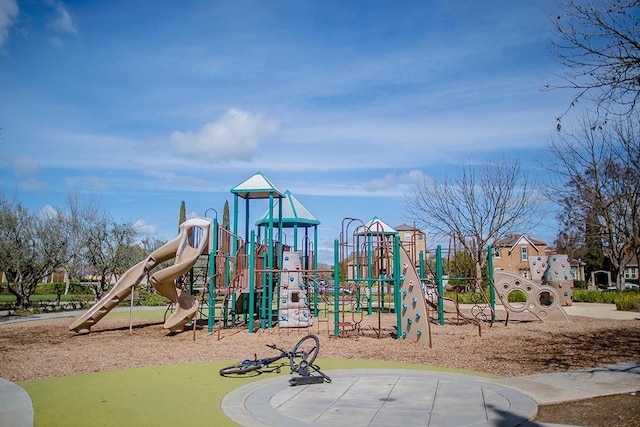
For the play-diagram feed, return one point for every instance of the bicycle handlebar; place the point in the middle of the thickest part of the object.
(275, 347)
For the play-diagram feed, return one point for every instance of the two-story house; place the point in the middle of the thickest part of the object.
(512, 253)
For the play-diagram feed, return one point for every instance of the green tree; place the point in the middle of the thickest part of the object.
(32, 246)
(225, 215)
(110, 250)
(183, 214)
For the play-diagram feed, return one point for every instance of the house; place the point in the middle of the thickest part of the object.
(631, 270)
(413, 240)
(512, 253)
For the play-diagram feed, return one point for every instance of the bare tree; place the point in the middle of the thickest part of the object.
(600, 185)
(598, 44)
(109, 250)
(477, 206)
(32, 246)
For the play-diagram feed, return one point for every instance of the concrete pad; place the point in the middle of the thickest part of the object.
(16, 408)
(377, 397)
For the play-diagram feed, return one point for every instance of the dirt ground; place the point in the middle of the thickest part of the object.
(45, 348)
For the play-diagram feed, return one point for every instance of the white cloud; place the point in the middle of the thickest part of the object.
(90, 182)
(235, 136)
(142, 227)
(63, 22)
(392, 180)
(31, 184)
(8, 12)
(24, 166)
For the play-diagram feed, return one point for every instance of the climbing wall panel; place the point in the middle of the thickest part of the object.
(541, 300)
(412, 304)
(293, 305)
(555, 271)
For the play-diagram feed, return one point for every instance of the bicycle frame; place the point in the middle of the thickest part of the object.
(301, 360)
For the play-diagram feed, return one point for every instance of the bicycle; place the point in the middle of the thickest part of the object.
(301, 360)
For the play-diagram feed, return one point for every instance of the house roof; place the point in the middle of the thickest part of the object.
(256, 187)
(406, 227)
(514, 239)
(293, 213)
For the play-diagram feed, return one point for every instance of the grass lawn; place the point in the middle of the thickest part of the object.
(156, 313)
(173, 395)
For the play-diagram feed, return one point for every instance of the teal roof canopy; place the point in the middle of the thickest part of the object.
(293, 213)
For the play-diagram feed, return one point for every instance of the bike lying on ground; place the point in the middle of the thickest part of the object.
(301, 360)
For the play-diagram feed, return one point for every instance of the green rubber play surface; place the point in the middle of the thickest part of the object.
(173, 395)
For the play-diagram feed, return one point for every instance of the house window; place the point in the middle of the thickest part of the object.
(407, 236)
(496, 254)
(525, 274)
(420, 237)
(524, 253)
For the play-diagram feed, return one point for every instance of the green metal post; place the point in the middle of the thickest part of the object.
(492, 291)
(252, 285)
(315, 271)
(336, 289)
(270, 259)
(397, 280)
(440, 285)
(263, 303)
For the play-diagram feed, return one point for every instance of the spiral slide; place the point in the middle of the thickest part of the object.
(185, 255)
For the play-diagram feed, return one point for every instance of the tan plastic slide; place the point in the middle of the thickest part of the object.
(185, 256)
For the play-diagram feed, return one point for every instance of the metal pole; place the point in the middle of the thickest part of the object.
(440, 284)
(492, 291)
(397, 280)
(336, 289)
(252, 285)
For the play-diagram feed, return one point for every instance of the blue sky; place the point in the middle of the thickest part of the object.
(344, 103)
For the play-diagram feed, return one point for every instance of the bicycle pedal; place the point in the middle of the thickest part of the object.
(305, 380)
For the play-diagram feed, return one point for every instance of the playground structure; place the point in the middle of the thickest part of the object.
(262, 281)
(185, 253)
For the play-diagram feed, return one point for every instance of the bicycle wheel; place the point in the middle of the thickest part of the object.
(304, 352)
(241, 368)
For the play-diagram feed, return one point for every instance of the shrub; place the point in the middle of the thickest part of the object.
(152, 299)
(579, 284)
(625, 301)
(49, 288)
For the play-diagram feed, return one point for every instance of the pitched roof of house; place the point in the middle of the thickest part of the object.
(406, 227)
(514, 239)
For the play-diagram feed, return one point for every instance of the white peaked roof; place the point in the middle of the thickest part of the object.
(256, 187)
(376, 226)
(293, 212)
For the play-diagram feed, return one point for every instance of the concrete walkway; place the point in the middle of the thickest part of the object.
(16, 409)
